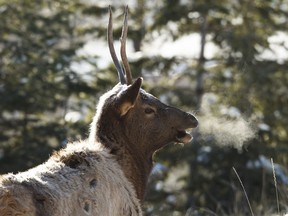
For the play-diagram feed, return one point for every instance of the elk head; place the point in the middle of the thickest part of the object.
(128, 117)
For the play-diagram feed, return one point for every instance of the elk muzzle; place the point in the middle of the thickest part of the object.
(186, 122)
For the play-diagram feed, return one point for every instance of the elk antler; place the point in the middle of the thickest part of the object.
(112, 50)
(123, 48)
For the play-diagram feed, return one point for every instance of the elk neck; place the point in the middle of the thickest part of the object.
(136, 166)
(135, 163)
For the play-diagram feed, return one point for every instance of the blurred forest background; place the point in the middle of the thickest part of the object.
(224, 60)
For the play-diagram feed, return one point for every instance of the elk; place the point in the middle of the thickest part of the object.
(107, 173)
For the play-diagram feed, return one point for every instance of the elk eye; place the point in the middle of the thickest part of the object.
(149, 110)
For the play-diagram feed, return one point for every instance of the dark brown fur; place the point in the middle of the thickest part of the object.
(107, 174)
(135, 136)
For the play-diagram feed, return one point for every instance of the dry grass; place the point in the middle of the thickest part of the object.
(263, 208)
(267, 210)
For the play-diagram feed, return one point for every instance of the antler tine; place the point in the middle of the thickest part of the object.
(112, 50)
(123, 48)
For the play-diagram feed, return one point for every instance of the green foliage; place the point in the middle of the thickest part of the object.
(40, 42)
(241, 77)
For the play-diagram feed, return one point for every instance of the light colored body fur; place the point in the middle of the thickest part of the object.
(107, 175)
(82, 179)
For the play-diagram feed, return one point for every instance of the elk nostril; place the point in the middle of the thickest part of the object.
(193, 120)
(196, 123)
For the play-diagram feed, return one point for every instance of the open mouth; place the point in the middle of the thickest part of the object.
(183, 137)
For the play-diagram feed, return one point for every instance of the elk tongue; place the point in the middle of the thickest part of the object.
(183, 137)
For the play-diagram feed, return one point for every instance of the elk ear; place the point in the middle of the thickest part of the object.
(128, 97)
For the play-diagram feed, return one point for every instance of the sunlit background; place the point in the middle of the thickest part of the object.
(225, 61)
